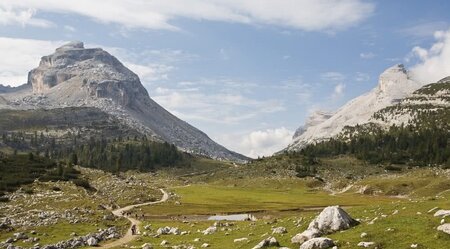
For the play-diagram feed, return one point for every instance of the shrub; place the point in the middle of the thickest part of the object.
(82, 183)
(57, 189)
(392, 168)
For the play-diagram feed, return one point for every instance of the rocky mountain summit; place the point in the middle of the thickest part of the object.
(75, 76)
(394, 84)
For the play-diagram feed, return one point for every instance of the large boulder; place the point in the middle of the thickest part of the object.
(330, 220)
(318, 243)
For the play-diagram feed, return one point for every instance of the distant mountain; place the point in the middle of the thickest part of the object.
(394, 84)
(75, 76)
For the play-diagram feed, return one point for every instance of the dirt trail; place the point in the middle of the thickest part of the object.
(119, 213)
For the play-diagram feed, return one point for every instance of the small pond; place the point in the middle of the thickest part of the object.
(233, 217)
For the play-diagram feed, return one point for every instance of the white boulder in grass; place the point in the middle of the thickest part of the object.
(444, 228)
(318, 243)
(330, 220)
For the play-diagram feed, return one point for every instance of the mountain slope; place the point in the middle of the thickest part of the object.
(75, 76)
(394, 84)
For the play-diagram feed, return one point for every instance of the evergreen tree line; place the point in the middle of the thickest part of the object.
(426, 141)
(117, 154)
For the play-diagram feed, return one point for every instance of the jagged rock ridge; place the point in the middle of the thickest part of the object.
(394, 84)
(91, 77)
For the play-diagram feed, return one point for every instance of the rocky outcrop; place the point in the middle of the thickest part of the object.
(82, 241)
(75, 76)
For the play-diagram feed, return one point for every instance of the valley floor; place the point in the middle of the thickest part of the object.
(393, 208)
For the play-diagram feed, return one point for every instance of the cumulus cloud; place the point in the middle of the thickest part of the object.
(309, 15)
(434, 62)
(258, 143)
(21, 55)
(22, 17)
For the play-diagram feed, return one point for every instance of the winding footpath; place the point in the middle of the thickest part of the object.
(119, 213)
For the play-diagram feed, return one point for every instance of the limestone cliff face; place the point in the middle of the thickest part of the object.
(101, 74)
(78, 76)
(393, 85)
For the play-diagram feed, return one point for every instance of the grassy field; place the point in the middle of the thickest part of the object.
(250, 195)
(408, 227)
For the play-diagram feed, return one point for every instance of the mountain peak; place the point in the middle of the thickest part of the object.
(394, 84)
(91, 77)
(392, 78)
(72, 45)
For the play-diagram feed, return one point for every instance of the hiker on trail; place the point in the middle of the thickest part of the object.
(133, 229)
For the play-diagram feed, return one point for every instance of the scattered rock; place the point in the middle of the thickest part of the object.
(305, 236)
(271, 241)
(444, 228)
(20, 236)
(363, 235)
(240, 240)
(317, 243)
(442, 213)
(414, 245)
(147, 246)
(279, 230)
(164, 242)
(205, 245)
(366, 244)
(210, 230)
(92, 241)
(432, 210)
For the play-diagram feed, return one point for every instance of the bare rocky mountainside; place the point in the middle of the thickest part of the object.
(78, 77)
(394, 85)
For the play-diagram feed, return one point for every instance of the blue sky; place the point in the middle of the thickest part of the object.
(247, 72)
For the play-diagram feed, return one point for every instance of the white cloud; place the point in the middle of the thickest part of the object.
(69, 28)
(425, 29)
(258, 143)
(20, 56)
(22, 16)
(338, 91)
(368, 55)
(362, 77)
(221, 108)
(332, 76)
(434, 62)
(309, 15)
